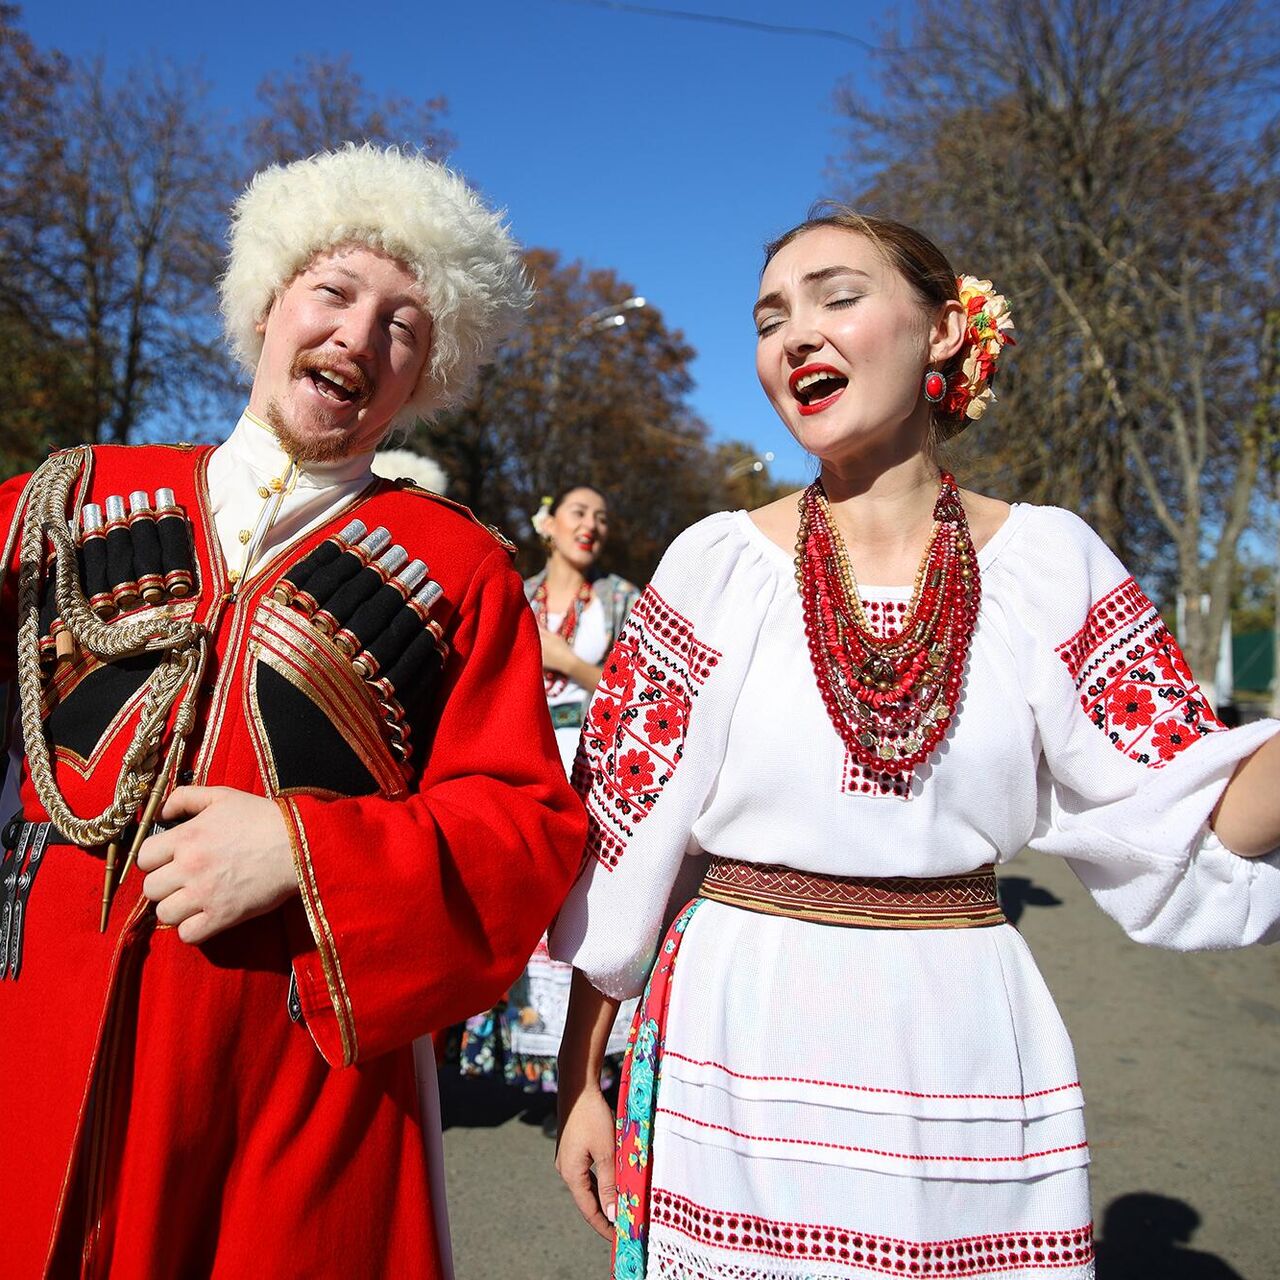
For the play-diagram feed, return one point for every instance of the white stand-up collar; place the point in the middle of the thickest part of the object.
(254, 444)
(262, 500)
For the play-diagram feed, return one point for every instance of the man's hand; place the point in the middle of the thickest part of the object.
(229, 860)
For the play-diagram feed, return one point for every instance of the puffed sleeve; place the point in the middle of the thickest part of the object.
(423, 910)
(1133, 758)
(652, 744)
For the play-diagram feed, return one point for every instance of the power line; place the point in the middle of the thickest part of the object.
(723, 20)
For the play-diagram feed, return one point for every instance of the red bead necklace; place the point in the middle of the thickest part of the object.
(554, 681)
(890, 698)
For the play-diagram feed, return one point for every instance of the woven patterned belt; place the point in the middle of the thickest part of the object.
(566, 715)
(966, 901)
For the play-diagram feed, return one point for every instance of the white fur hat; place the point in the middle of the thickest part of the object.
(418, 211)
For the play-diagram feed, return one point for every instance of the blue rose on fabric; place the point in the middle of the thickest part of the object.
(640, 1096)
(628, 1260)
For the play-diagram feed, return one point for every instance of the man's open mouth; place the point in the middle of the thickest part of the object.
(815, 386)
(333, 386)
(348, 384)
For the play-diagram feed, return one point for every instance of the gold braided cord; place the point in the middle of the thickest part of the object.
(176, 679)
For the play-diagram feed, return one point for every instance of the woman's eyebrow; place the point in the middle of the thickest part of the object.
(774, 299)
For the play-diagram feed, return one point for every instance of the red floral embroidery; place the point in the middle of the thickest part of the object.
(634, 733)
(603, 716)
(1170, 738)
(635, 770)
(618, 670)
(1132, 706)
(1134, 684)
(664, 723)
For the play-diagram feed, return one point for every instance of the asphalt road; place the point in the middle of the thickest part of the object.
(1180, 1059)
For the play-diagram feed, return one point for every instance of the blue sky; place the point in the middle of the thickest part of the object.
(669, 150)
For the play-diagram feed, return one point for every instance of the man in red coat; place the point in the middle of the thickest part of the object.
(327, 689)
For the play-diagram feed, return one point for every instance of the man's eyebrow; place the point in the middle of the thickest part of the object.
(812, 277)
(404, 300)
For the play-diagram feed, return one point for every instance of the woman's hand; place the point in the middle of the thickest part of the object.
(584, 1157)
(558, 656)
(584, 1154)
(556, 653)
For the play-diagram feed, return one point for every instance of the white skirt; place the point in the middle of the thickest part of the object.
(837, 1103)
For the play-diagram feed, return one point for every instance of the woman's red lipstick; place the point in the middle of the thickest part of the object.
(811, 371)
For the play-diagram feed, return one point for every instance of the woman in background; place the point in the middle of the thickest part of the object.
(580, 613)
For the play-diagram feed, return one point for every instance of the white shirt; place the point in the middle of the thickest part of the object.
(712, 735)
(254, 486)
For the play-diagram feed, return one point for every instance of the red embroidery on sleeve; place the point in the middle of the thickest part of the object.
(634, 734)
(1133, 681)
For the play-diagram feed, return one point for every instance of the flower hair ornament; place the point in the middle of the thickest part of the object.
(988, 330)
(542, 517)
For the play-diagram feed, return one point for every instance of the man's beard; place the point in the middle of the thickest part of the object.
(325, 446)
(316, 448)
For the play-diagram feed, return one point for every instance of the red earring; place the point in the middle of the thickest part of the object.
(935, 386)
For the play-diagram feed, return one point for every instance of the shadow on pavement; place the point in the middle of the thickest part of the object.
(1144, 1237)
(1017, 893)
(478, 1102)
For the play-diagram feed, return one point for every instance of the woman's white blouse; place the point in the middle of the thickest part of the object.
(1080, 733)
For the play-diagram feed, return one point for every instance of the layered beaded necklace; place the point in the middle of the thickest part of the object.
(890, 698)
(553, 681)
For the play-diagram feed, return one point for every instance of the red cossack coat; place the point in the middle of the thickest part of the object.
(248, 1107)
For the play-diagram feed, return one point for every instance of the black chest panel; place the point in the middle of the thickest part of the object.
(310, 754)
(83, 713)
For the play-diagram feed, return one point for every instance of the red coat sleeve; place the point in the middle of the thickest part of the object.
(423, 910)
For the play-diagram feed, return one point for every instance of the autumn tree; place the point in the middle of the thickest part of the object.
(109, 247)
(1114, 165)
(46, 382)
(576, 397)
(324, 102)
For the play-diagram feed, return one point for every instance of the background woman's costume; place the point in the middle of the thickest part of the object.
(522, 1035)
(182, 1112)
(935, 1128)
